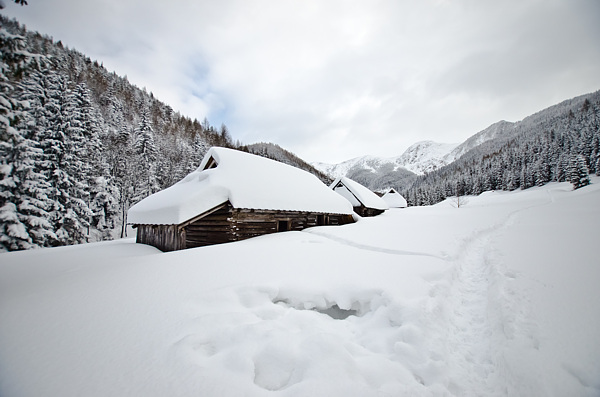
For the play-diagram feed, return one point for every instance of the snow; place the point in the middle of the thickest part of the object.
(247, 181)
(498, 297)
(358, 194)
(394, 199)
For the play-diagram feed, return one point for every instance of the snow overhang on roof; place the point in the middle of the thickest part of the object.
(243, 179)
(358, 194)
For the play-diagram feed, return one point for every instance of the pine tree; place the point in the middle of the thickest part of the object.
(63, 143)
(23, 202)
(145, 150)
(541, 173)
(104, 207)
(578, 172)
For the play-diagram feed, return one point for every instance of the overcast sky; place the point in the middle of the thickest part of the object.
(331, 80)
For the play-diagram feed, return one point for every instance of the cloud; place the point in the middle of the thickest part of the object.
(338, 79)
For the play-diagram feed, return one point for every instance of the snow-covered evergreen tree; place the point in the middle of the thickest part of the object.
(146, 152)
(578, 172)
(23, 204)
(104, 207)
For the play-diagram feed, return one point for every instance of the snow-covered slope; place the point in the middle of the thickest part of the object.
(368, 162)
(501, 128)
(425, 156)
(499, 297)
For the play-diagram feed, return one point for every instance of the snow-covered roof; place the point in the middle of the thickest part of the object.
(394, 199)
(243, 179)
(358, 194)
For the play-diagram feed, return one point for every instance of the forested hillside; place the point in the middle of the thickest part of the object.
(276, 152)
(79, 145)
(561, 143)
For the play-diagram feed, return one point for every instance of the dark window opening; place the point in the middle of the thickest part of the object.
(321, 220)
(211, 164)
(283, 226)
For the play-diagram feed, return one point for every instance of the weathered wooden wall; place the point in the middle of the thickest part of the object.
(228, 224)
(215, 228)
(163, 237)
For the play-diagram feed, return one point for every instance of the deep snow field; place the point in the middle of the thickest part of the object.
(500, 297)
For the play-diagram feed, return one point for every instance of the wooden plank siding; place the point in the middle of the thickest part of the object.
(215, 228)
(227, 224)
(163, 237)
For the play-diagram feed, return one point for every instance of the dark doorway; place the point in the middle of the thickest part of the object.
(283, 226)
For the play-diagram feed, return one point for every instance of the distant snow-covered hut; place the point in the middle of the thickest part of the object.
(394, 199)
(364, 201)
(234, 196)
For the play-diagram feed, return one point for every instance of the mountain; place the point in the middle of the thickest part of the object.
(425, 156)
(421, 157)
(501, 128)
(380, 173)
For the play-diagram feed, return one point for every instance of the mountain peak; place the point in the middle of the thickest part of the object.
(425, 156)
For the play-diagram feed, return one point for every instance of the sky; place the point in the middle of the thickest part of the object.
(333, 80)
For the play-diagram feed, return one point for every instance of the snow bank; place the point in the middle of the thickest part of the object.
(247, 181)
(498, 297)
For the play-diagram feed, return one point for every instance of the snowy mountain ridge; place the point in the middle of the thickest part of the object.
(421, 157)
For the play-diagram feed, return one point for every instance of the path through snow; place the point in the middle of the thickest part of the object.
(482, 314)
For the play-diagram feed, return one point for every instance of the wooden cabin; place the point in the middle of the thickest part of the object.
(233, 196)
(394, 199)
(364, 202)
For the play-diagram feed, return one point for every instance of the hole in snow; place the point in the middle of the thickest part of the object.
(336, 313)
(332, 310)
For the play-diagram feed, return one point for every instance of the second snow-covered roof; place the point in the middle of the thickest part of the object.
(394, 199)
(358, 194)
(243, 179)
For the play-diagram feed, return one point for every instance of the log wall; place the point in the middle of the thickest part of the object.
(231, 224)
(215, 228)
(163, 237)
(228, 224)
